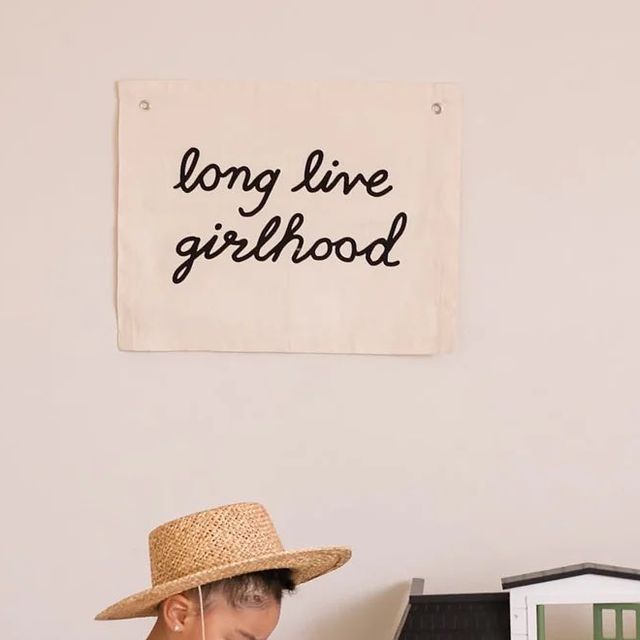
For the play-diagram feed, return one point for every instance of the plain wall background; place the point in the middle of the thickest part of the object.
(517, 452)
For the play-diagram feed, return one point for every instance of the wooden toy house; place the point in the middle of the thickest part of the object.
(520, 611)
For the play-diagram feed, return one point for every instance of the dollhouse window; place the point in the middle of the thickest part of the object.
(616, 621)
(629, 623)
(608, 623)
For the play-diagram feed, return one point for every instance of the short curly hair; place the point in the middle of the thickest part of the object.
(249, 589)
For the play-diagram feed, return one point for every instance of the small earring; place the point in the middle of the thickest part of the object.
(176, 628)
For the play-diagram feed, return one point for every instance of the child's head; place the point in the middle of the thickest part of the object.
(224, 568)
(244, 607)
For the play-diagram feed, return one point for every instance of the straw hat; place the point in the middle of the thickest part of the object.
(215, 544)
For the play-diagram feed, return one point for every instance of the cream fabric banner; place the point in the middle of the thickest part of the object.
(288, 217)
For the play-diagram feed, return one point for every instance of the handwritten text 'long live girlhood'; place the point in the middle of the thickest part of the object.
(275, 236)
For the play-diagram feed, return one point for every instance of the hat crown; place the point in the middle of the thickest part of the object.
(207, 539)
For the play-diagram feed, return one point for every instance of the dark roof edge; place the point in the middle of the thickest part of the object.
(570, 571)
(459, 597)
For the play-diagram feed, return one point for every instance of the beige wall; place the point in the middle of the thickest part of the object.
(517, 452)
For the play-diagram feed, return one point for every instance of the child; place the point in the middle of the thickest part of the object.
(221, 574)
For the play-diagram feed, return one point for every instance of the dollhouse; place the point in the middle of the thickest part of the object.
(521, 610)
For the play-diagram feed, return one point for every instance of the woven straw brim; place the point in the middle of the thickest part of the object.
(306, 564)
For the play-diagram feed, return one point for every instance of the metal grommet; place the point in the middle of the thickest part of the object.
(436, 107)
(144, 105)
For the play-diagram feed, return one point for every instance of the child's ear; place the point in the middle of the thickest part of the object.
(174, 612)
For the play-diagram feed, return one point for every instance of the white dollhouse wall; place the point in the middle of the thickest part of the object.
(583, 589)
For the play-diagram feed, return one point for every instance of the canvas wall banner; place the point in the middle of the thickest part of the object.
(291, 217)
